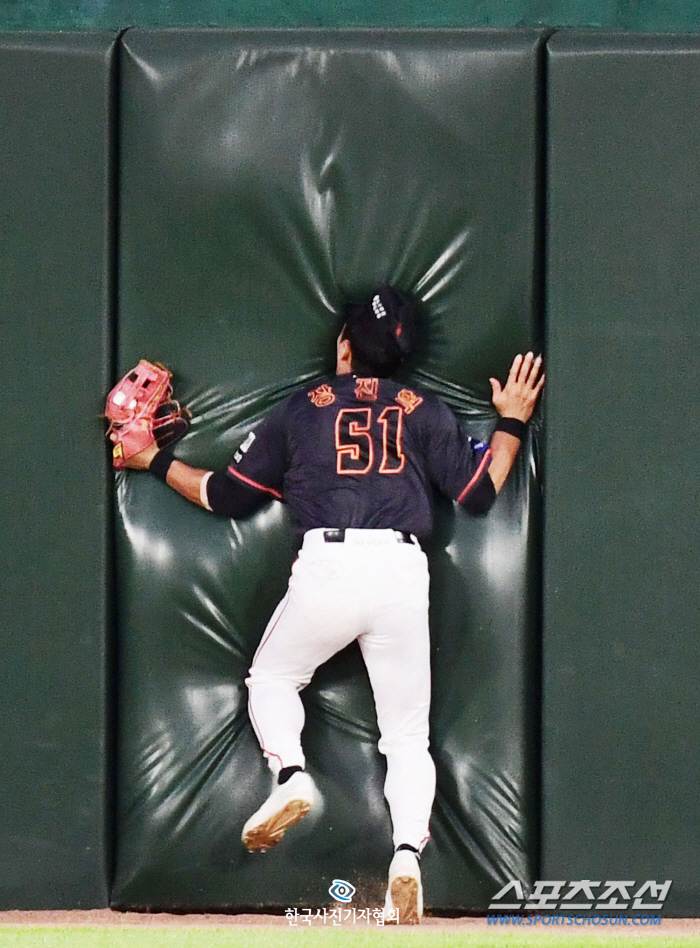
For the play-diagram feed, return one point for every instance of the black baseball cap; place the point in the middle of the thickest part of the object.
(380, 330)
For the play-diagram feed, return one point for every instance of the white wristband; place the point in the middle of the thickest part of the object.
(203, 496)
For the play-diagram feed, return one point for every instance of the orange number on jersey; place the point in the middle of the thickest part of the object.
(393, 458)
(353, 442)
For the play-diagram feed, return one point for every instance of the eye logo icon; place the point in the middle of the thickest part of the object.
(342, 891)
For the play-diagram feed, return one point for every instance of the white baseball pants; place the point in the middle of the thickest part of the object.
(373, 588)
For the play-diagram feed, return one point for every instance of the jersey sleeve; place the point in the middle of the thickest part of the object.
(255, 473)
(457, 463)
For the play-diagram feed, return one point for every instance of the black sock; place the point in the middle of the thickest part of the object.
(409, 847)
(286, 772)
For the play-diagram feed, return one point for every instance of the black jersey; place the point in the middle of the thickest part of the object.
(360, 452)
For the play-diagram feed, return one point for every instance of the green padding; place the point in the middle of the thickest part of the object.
(54, 364)
(265, 177)
(621, 755)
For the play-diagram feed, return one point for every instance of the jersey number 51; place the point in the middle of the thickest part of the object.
(354, 440)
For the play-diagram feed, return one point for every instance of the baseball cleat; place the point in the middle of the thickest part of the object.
(405, 890)
(285, 806)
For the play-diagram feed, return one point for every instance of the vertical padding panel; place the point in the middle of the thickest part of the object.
(265, 178)
(54, 363)
(622, 666)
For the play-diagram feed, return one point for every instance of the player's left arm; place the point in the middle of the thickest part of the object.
(253, 476)
(515, 401)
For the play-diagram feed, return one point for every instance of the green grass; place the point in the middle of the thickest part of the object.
(190, 937)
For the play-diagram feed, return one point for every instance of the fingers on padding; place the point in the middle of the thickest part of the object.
(525, 367)
(534, 371)
(514, 369)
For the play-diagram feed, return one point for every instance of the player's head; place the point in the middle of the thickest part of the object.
(379, 331)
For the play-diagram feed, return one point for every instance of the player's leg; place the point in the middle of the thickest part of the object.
(306, 629)
(398, 664)
(397, 653)
(286, 659)
(275, 679)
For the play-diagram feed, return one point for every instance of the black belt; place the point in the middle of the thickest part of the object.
(338, 536)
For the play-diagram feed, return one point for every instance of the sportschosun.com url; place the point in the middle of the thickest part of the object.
(602, 920)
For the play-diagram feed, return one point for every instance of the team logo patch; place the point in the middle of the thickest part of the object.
(322, 396)
(243, 447)
(366, 390)
(408, 400)
(378, 307)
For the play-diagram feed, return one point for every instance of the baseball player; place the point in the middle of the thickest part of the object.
(355, 456)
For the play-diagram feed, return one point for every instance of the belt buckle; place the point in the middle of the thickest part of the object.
(334, 536)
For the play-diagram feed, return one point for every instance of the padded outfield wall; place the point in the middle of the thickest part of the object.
(267, 197)
(621, 754)
(620, 610)
(56, 246)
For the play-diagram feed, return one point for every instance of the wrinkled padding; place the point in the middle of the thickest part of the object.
(265, 177)
(621, 664)
(55, 169)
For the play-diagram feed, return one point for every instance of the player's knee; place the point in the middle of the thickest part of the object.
(412, 742)
(258, 678)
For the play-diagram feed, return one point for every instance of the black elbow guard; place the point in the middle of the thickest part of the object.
(480, 498)
(230, 498)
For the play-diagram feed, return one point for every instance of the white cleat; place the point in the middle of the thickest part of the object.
(405, 891)
(285, 806)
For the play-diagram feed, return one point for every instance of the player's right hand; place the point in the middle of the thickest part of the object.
(518, 397)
